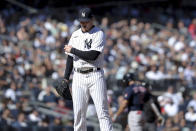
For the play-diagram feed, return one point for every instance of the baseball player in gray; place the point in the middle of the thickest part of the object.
(135, 95)
(85, 57)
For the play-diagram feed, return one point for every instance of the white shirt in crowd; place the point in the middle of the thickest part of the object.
(91, 111)
(10, 93)
(34, 118)
(190, 116)
(155, 75)
(193, 104)
(171, 109)
(175, 97)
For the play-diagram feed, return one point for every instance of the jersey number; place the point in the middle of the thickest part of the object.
(140, 90)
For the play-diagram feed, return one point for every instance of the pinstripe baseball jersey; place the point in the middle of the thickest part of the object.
(92, 40)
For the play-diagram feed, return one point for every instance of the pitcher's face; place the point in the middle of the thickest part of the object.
(86, 26)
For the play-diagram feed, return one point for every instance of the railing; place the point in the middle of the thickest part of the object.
(92, 122)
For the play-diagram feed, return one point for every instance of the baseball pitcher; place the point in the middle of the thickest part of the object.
(85, 57)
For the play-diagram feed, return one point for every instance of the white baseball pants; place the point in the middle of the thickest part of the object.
(85, 85)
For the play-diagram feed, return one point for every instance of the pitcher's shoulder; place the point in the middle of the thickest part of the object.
(99, 31)
(76, 32)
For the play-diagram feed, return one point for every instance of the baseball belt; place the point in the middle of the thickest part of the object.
(86, 70)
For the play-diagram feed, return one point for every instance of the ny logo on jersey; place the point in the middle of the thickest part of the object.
(83, 14)
(87, 43)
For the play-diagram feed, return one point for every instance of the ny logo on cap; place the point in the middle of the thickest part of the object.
(83, 14)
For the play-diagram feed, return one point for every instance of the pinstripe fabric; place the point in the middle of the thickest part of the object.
(85, 85)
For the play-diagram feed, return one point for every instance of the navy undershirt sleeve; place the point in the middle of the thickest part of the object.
(69, 67)
(85, 55)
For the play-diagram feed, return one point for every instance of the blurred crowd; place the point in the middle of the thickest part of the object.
(32, 60)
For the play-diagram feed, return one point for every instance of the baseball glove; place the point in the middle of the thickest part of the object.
(63, 89)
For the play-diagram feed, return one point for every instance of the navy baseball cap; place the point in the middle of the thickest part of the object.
(128, 77)
(85, 14)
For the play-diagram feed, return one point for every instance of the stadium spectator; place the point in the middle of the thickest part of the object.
(190, 115)
(11, 92)
(34, 116)
(49, 98)
(61, 107)
(21, 122)
(192, 102)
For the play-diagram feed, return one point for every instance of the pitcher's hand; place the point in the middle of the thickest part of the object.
(67, 48)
